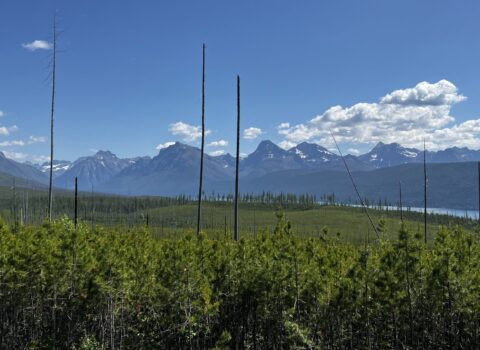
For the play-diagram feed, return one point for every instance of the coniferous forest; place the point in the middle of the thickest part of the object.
(62, 287)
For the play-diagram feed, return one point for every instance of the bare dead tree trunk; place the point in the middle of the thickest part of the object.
(14, 188)
(225, 226)
(93, 210)
(401, 204)
(26, 206)
(200, 186)
(74, 262)
(52, 113)
(425, 190)
(254, 222)
(237, 161)
(408, 287)
(76, 203)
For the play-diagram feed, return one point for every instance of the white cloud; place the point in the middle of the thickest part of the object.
(219, 143)
(283, 126)
(165, 145)
(39, 159)
(252, 133)
(12, 143)
(425, 94)
(188, 132)
(36, 139)
(466, 134)
(5, 131)
(38, 45)
(220, 152)
(18, 156)
(23, 157)
(287, 144)
(406, 116)
(31, 140)
(353, 151)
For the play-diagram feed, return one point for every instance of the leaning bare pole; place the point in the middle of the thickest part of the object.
(355, 186)
(237, 161)
(52, 113)
(199, 213)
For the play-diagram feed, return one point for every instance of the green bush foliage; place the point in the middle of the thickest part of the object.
(81, 289)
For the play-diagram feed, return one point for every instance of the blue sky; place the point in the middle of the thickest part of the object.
(130, 72)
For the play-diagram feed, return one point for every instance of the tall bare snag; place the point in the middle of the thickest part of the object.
(52, 113)
(200, 186)
(237, 161)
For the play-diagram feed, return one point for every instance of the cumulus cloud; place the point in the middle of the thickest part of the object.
(23, 157)
(189, 133)
(165, 145)
(40, 159)
(36, 139)
(18, 156)
(252, 133)
(37, 45)
(31, 140)
(466, 134)
(220, 152)
(283, 126)
(219, 143)
(425, 94)
(7, 130)
(353, 151)
(406, 116)
(12, 143)
(286, 144)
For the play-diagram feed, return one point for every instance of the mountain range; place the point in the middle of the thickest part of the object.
(307, 167)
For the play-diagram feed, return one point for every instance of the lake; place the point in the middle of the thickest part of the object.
(464, 213)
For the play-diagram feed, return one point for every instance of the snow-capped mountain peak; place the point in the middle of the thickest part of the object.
(312, 153)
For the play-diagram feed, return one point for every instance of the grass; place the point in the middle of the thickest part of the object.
(170, 218)
(347, 223)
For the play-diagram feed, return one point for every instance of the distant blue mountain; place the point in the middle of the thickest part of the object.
(175, 169)
(93, 170)
(21, 170)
